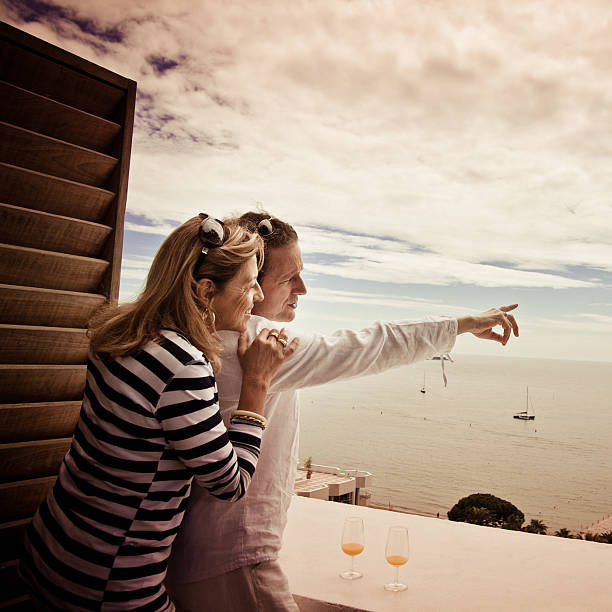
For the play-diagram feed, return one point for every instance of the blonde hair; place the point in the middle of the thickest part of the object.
(170, 298)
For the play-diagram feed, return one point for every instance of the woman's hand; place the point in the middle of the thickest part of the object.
(264, 357)
(482, 325)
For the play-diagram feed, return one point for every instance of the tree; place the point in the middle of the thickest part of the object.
(486, 509)
(564, 533)
(536, 526)
(605, 538)
(514, 521)
(478, 516)
(308, 467)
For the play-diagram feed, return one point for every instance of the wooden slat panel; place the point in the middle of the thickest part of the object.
(40, 68)
(11, 539)
(119, 185)
(36, 268)
(41, 230)
(30, 150)
(35, 306)
(12, 585)
(58, 81)
(40, 344)
(38, 421)
(39, 383)
(21, 499)
(45, 116)
(22, 460)
(30, 189)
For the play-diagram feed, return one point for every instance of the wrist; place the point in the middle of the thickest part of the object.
(255, 383)
(253, 395)
(464, 324)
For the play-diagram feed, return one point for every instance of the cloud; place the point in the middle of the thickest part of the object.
(595, 323)
(491, 116)
(375, 259)
(158, 229)
(134, 271)
(370, 258)
(135, 267)
(432, 143)
(605, 320)
(378, 300)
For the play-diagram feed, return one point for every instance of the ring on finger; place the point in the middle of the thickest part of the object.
(283, 342)
(273, 334)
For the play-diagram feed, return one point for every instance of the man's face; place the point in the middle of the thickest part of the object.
(281, 284)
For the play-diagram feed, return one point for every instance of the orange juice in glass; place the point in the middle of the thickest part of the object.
(352, 548)
(396, 553)
(352, 544)
(397, 559)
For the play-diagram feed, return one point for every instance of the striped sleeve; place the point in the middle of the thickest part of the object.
(222, 460)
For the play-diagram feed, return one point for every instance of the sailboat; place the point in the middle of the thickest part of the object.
(524, 415)
(423, 387)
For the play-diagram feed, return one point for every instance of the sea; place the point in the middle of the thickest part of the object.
(428, 450)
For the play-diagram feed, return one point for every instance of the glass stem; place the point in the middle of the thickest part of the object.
(352, 563)
(397, 574)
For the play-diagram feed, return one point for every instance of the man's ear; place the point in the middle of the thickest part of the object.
(206, 290)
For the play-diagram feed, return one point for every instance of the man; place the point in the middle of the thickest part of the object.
(225, 557)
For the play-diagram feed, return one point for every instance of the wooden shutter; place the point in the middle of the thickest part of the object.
(65, 139)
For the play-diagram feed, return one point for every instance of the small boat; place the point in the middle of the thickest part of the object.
(524, 415)
(423, 387)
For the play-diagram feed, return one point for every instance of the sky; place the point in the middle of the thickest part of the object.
(434, 157)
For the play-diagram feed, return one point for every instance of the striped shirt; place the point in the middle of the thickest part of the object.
(149, 423)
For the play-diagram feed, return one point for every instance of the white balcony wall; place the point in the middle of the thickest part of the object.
(452, 566)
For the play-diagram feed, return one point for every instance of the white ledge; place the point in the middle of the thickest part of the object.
(452, 566)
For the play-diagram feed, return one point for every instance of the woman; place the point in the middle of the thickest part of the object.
(150, 423)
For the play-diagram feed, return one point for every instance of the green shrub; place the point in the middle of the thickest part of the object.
(486, 509)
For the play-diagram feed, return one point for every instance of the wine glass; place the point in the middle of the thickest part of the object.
(396, 553)
(352, 544)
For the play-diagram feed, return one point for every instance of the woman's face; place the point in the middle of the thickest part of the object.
(232, 306)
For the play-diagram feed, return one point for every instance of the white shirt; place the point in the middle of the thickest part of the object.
(215, 537)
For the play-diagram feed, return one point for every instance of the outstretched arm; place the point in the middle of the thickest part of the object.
(347, 354)
(320, 359)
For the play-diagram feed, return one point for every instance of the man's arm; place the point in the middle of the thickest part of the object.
(345, 354)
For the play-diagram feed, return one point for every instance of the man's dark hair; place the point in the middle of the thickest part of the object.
(282, 233)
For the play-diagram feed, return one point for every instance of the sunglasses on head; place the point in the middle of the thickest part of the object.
(211, 234)
(265, 228)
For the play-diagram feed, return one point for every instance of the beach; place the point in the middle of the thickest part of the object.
(603, 526)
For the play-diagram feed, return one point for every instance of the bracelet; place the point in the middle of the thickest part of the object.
(248, 413)
(247, 421)
(250, 417)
